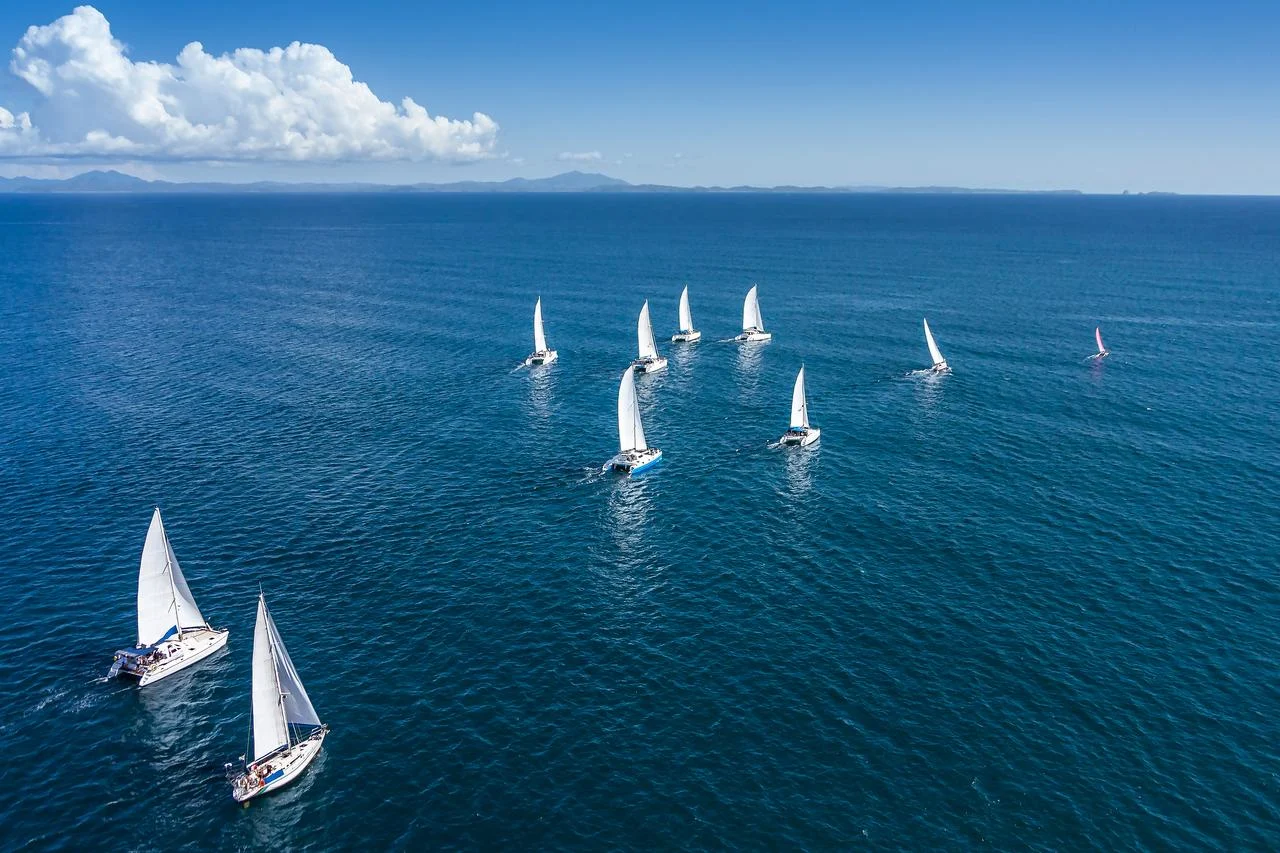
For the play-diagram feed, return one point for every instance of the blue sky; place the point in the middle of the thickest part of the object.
(1097, 96)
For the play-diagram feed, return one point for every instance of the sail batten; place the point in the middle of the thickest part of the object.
(539, 336)
(799, 403)
(165, 603)
(686, 315)
(630, 430)
(644, 334)
(934, 352)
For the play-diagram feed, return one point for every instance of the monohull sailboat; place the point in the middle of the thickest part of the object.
(287, 732)
(648, 360)
(1102, 352)
(172, 633)
(799, 433)
(634, 455)
(939, 363)
(752, 323)
(542, 354)
(687, 333)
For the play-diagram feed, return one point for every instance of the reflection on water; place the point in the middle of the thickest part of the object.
(750, 357)
(929, 390)
(624, 570)
(1096, 369)
(541, 386)
(800, 463)
(175, 705)
(683, 357)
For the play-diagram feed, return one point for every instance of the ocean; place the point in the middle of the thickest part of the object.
(1033, 604)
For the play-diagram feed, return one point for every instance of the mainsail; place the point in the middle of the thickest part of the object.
(539, 337)
(279, 699)
(630, 430)
(934, 352)
(165, 603)
(751, 318)
(1097, 334)
(686, 316)
(799, 405)
(644, 334)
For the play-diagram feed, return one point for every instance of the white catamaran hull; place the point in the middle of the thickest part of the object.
(754, 336)
(538, 359)
(650, 365)
(800, 438)
(686, 337)
(278, 769)
(169, 656)
(634, 461)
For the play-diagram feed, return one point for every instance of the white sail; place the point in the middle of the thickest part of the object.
(270, 731)
(539, 337)
(751, 318)
(644, 334)
(279, 699)
(686, 316)
(630, 430)
(1097, 334)
(799, 404)
(165, 603)
(934, 352)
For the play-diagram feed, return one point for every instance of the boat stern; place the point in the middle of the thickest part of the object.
(540, 359)
(686, 337)
(649, 365)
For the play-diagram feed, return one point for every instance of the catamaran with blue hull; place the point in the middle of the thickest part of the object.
(287, 732)
(634, 454)
(172, 633)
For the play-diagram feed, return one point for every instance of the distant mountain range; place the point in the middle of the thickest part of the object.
(569, 182)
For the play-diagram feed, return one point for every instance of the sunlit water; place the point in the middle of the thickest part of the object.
(1032, 604)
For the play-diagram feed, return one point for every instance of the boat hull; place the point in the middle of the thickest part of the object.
(800, 439)
(649, 365)
(193, 647)
(686, 337)
(634, 462)
(941, 368)
(284, 767)
(540, 359)
(754, 336)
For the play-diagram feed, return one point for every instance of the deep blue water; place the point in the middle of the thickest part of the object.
(1030, 605)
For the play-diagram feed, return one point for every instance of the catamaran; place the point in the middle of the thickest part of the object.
(799, 434)
(687, 333)
(752, 322)
(1102, 352)
(648, 361)
(172, 634)
(287, 733)
(634, 454)
(939, 363)
(541, 354)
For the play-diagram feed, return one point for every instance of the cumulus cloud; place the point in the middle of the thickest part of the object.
(295, 103)
(579, 156)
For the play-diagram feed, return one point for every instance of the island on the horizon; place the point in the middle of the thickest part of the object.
(111, 181)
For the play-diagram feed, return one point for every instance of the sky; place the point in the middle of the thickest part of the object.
(1098, 96)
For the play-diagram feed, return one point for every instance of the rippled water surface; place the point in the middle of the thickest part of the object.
(1030, 605)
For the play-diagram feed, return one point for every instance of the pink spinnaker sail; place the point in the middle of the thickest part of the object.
(1097, 333)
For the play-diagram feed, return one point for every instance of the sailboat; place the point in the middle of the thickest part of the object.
(541, 354)
(752, 322)
(799, 434)
(648, 361)
(172, 634)
(1102, 352)
(687, 333)
(939, 363)
(634, 454)
(287, 733)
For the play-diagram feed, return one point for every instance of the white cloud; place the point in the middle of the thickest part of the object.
(297, 103)
(579, 156)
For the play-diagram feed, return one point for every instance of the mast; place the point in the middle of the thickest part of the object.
(275, 670)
